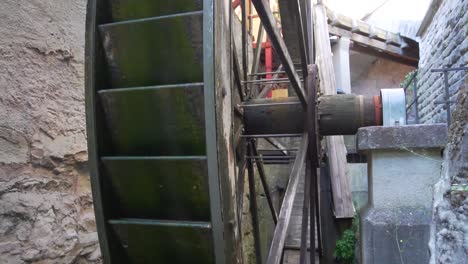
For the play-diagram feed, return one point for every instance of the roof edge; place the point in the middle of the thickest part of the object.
(427, 20)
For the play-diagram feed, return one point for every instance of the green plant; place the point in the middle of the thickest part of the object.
(346, 245)
(408, 83)
(344, 250)
(408, 78)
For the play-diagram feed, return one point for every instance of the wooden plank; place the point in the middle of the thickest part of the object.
(155, 51)
(313, 156)
(139, 123)
(377, 47)
(279, 236)
(289, 28)
(293, 238)
(336, 148)
(373, 40)
(143, 187)
(156, 241)
(216, 38)
(363, 28)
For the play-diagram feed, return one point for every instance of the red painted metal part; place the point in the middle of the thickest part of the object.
(268, 58)
(268, 63)
(268, 53)
(268, 50)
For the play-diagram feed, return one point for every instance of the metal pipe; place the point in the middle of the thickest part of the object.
(447, 88)
(266, 188)
(271, 135)
(267, 73)
(409, 106)
(275, 143)
(268, 87)
(409, 82)
(269, 104)
(447, 98)
(257, 52)
(268, 80)
(415, 95)
(271, 157)
(288, 149)
(274, 162)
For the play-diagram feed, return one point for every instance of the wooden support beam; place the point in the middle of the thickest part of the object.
(313, 155)
(253, 206)
(269, 22)
(377, 47)
(373, 40)
(279, 236)
(343, 204)
(361, 27)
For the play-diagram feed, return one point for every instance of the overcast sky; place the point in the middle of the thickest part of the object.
(397, 9)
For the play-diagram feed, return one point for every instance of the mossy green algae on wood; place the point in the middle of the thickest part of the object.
(134, 9)
(154, 51)
(167, 188)
(165, 242)
(156, 121)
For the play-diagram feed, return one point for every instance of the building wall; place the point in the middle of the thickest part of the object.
(377, 74)
(443, 44)
(46, 213)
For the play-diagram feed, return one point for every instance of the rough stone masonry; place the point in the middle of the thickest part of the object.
(449, 238)
(443, 44)
(46, 213)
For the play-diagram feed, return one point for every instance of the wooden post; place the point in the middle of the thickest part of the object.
(343, 204)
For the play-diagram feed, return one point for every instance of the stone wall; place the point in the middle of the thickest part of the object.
(449, 234)
(444, 44)
(46, 213)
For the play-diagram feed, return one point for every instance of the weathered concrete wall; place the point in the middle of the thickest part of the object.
(443, 44)
(46, 213)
